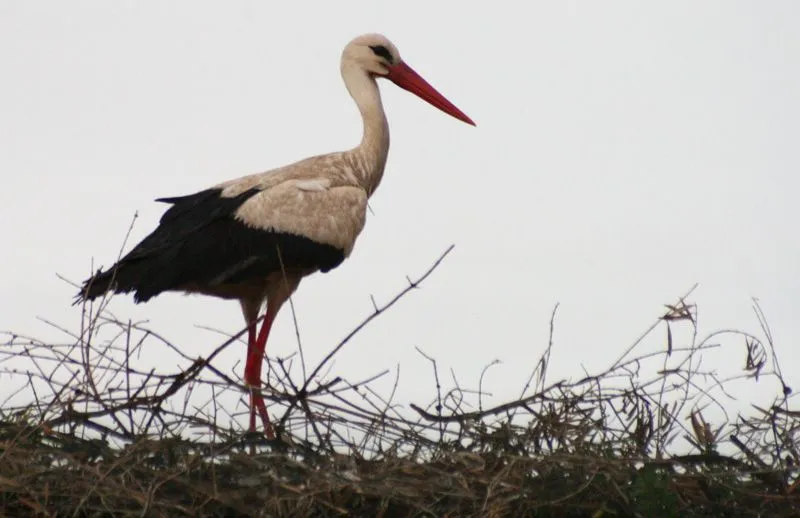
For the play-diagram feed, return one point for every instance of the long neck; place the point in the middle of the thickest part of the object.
(369, 158)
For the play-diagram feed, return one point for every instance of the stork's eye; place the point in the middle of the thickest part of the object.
(382, 52)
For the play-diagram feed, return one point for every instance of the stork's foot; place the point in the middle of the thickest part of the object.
(257, 405)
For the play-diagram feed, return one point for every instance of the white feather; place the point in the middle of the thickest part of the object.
(315, 185)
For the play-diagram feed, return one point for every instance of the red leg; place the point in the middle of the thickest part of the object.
(251, 343)
(252, 373)
(278, 289)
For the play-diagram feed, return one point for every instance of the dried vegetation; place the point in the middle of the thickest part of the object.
(99, 435)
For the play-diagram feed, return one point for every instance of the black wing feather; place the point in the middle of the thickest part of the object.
(199, 241)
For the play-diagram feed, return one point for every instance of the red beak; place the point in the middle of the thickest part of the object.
(404, 76)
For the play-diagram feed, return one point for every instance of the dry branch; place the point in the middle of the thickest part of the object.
(85, 430)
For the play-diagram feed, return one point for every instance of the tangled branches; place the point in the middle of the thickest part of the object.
(86, 430)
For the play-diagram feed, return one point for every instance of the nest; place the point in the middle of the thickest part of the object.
(97, 435)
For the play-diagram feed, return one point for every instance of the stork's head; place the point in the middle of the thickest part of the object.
(377, 56)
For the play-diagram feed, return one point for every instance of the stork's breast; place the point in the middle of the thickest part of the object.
(311, 208)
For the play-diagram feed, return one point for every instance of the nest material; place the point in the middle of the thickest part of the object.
(49, 474)
(88, 431)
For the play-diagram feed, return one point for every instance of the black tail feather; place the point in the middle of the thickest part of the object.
(93, 287)
(124, 277)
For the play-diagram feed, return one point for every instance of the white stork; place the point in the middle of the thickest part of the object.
(254, 238)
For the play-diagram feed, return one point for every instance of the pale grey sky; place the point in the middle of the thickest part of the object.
(624, 151)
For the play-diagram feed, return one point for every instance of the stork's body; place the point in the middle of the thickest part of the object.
(256, 237)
